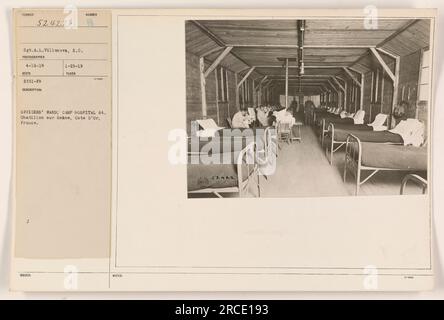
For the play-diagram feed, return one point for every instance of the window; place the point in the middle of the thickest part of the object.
(424, 73)
(222, 82)
(376, 86)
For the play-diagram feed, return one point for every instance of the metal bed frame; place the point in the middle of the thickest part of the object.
(323, 131)
(354, 161)
(417, 180)
(249, 157)
(334, 145)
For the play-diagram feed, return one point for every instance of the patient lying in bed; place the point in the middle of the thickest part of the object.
(357, 118)
(376, 125)
(262, 116)
(241, 119)
(407, 132)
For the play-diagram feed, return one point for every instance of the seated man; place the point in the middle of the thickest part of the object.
(294, 107)
(262, 116)
(241, 119)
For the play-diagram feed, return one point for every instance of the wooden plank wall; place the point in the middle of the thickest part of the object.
(408, 79)
(232, 94)
(382, 101)
(211, 95)
(193, 94)
(386, 101)
(368, 105)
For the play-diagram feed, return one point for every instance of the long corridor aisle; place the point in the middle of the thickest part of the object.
(303, 171)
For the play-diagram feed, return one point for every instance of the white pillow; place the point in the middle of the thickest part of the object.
(206, 133)
(379, 120)
(208, 124)
(411, 131)
(359, 117)
(379, 128)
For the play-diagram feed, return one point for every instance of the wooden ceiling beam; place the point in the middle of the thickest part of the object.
(378, 46)
(246, 76)
(212, 51)
(275, 66)
(361, 57)
(217, 61)
(343, 80)
(304, 76)
(307, 79)
(331, 84)
(244, 69)
(387, 53)
(295, 46)
(305, 86)
(292, 81)
(338, 46)
(305, 66)
(391, 37)
(260, 83)
(352, 76)
(325, 67)
(277, 46)
(397, 32)
(337, 82)
(354, 70)
(268, 83)
(217, 40)
(383, 64)
(209, 33)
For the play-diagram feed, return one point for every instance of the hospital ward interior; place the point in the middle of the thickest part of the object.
(307, 108)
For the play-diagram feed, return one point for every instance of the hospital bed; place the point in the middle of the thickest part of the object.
(337, 137)
(374, 157)
(356, 119)
(318, 117)
(228, 164)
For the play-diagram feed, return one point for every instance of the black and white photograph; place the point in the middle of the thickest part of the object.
(308, 107)
(316, 129)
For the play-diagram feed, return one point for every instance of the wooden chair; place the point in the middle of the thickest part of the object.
(284, 131)
(296, 127)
